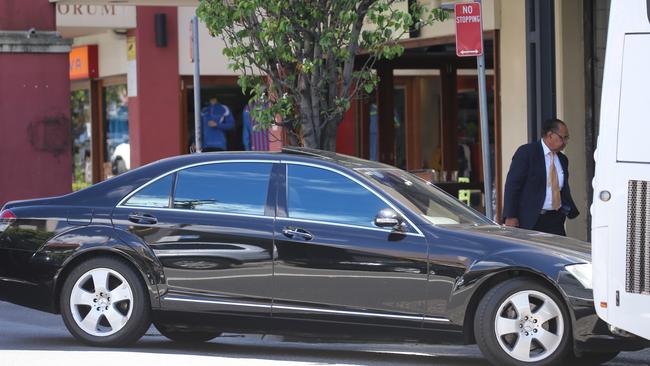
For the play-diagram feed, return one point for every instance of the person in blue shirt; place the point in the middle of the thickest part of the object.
(215, 119)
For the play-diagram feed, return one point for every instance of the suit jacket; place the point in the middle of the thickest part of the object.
(525, 188)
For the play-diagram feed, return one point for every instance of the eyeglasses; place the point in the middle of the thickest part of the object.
(564, 138)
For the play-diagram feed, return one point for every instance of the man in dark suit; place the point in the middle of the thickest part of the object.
(537, 194)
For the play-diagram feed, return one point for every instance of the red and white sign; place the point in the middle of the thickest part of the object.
(469, 29)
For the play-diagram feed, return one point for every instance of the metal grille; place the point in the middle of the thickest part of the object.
(638, 237)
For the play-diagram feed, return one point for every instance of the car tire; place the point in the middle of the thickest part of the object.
(186, 335)
(593, 358)
(522, 322)
(104, 303)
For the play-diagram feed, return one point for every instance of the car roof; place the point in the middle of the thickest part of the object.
(111, 191)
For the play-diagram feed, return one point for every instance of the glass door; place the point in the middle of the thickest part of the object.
(117, 150)
(82, 168)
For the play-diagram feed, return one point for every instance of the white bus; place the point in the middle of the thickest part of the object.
(621, 205)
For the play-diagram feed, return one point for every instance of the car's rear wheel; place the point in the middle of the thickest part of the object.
(186, 335)
(104, 303)
(521, 322)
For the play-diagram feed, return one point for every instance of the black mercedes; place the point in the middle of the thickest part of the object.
(299, 242)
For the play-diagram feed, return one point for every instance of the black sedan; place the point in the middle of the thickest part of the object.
(299, 242)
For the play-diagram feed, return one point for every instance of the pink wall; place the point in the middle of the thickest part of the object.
(25, 14)
(35, 156)
(154, 115)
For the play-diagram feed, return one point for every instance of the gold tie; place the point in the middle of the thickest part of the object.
(554, 183)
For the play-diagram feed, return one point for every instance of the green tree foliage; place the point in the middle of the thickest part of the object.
(306, 51)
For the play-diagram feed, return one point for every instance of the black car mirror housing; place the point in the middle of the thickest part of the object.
(389, 218)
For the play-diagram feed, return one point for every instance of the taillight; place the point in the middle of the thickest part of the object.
(6, 218)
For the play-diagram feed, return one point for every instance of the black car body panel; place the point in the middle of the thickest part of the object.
(267, 272)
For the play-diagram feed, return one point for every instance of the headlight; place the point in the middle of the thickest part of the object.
(582, 272)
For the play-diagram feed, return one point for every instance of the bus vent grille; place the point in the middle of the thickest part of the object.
(638, 237)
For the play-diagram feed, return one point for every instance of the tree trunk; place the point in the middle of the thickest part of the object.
(328, 135)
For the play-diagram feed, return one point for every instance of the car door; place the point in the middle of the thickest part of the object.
(334, 264)
(211, 227)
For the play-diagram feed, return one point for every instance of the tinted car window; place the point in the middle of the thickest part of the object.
(155, 194)
(437, 207)
(226, 187)
(323, 195)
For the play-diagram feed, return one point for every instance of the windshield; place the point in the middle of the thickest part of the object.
(421, 196)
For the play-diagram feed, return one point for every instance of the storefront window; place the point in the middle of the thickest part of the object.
(230, 96)
(399, 125)
(470, 164)
(430, 139)
(81, 139)
(117, 151)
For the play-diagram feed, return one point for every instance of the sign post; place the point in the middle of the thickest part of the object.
(469, 42)
(198, 143)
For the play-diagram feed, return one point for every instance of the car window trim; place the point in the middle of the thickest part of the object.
(387, 231)
(196, 211)
(172, 193)
(120, 204)
(152, 182)
(362, 184)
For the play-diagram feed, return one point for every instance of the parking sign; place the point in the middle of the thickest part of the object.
(469, 29)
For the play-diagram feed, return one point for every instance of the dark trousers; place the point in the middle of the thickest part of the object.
(551, 222)
(212, 149)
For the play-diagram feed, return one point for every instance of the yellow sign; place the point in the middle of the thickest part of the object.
(130, 48)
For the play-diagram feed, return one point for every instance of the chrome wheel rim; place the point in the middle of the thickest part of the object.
(529, 326)
(101, 302)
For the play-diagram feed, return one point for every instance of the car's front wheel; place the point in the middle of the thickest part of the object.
(104, 303)
(521, 322)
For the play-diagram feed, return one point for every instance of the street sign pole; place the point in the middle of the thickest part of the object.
(485, 137)
(197, 84)
(485, 132)
(469, 42)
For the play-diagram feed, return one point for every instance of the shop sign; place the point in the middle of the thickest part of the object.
(95, 16)
(79, 9)
(469, 29)
(83, 63)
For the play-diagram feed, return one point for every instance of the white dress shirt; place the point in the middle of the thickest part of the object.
(560, 176)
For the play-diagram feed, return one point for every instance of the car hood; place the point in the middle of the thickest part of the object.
(571, 249)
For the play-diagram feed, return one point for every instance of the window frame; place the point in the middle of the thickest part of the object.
(283, 202)
(170, 195)
(270, 198)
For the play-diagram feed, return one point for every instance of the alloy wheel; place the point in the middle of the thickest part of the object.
(529, 326)
(101, 302)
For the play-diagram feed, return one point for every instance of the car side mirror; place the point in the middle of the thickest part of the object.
(389, 218)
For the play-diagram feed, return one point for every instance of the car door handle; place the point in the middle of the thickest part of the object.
(142, 218)
(290, 232)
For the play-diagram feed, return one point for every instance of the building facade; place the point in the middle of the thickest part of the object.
(131, 92)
